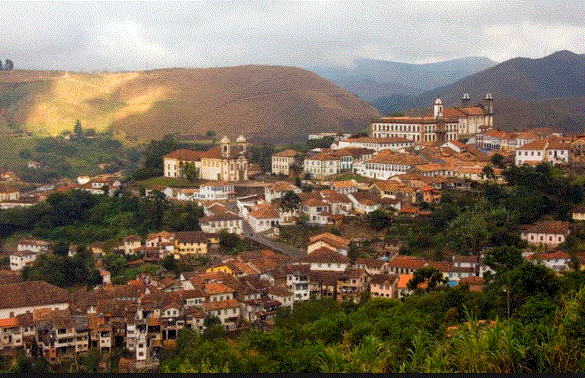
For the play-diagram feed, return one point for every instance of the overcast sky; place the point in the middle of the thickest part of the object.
(136, 35)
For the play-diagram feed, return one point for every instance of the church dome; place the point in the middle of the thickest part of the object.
(466, 96)
(241, 139)
(224, 140)
(438, 102)
(488, 96)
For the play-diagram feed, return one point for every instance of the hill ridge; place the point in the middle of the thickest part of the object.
(273, 103)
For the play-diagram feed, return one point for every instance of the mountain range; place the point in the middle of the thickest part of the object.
(370, 79)
(545, 92)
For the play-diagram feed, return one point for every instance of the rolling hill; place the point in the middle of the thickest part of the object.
(272, 103)
(546, 92)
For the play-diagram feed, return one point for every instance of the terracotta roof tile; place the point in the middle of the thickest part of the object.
(184, 155)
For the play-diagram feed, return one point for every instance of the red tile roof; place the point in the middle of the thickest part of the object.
(264, 211)
(331, 239)
(287, 153)
(185, 155)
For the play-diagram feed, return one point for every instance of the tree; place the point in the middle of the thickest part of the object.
(290, 200)
(61, 248)
(379, 219)
(498, 161)
(210, 134)
(502, 259)
(77, 128)
(190, 172)
(229, 242)
(210, 321)
(8, 65)
(430, 275)
(169, 263)
(488, 172)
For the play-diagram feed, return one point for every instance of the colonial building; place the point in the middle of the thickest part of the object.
(23, 297)
(191, 243)
(549, 151)
(223, 221)
(388, 163)
(175, 162)
(443, 125)
(375, 144)
(283, 161)
(226, 162)
(545, 233)
(322, 165)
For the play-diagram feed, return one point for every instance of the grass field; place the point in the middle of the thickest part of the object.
(170, 181)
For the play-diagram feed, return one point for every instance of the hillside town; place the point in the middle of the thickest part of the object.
(399, 171)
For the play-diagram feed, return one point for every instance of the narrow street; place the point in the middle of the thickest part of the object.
(272, 244)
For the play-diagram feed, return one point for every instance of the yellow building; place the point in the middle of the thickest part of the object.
(191, 243)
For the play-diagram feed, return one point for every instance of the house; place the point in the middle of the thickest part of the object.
(20, 259)
(471, 261)
(130, 244)
(34, 245)
(365, 202)
(384, 286)
(578, 213)
(322, 165)
(222, 221)
(29, 296)
(263, 218)
(175, 162)
(376, 143)
(475, 283)
(297, 281)
(316, 211)
(278, 190)
(330, 241)
(160, 238)
(228, 312)
(452, 273)
(345, 187)
(191, 243)
(405, 264)
(394, 190)
(371, 266)
(557, 260)
(389, 163)
(340, 204)
(283, 161)
(325, 259)
(351, 285)
(545, 233)
(550, 151)
(284, 296)
(351, 157)
(8, 193)
(215, 191)
(261, 309)
(193, 297)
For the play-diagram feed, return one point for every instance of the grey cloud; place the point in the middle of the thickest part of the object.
(130, 35)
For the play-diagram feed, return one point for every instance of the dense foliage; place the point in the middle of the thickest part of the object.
(80, 217)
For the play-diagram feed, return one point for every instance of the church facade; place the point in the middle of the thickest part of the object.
(226, 162)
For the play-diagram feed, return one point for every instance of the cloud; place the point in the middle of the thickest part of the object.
(113, 35)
